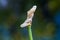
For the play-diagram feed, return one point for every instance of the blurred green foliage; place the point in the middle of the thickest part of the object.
(40, 26)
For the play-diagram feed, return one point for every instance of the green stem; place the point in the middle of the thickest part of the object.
(30, 33)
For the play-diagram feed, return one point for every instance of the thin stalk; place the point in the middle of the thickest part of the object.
(30, 33)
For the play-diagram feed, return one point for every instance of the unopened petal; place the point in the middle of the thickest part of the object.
(23, 25)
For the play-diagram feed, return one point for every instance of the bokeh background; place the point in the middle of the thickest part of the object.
(46, 21)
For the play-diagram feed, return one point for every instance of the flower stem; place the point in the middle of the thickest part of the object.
(30, 32)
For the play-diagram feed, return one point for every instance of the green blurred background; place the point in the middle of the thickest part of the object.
(46, 20)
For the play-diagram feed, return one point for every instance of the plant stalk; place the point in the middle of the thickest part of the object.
(30, 33)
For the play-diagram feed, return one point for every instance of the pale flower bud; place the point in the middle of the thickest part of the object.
(30, 15)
